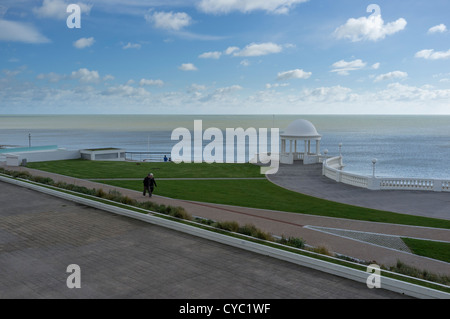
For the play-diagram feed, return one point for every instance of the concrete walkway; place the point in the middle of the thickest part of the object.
(299, 225)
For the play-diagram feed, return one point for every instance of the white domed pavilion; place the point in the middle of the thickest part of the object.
(297, 133)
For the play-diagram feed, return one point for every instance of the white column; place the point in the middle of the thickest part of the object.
(317, 147)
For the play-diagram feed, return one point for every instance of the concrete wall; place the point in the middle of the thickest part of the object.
(15, 159)
(103, 155)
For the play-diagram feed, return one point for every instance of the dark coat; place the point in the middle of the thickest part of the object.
(149, 182)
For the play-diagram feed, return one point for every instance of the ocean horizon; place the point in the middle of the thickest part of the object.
(416, 146)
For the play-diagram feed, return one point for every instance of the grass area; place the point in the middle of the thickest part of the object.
(248, 193)
(263, 194)
(430, 249)
(103, 169)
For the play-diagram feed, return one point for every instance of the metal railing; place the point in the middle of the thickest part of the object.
(146, 156)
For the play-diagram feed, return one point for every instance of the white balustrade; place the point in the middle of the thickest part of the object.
(332, 168)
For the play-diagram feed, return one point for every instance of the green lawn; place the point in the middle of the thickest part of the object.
(430, 249)
(103, 169)
(263, 194)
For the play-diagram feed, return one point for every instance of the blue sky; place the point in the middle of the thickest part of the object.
(225, 57)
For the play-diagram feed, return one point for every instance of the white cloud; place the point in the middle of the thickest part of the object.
(210, 55)
(245, 6)
(108, 77)
(168, 20)
(438, 29)
(83, 75)
(432, 55)
(57, 9)
(293, 74)
(150, 82)
(12, 73)
(130, 45)
(12, 31)
(84, 43)
(327, 94)
(370, 28)
(193, 88)
(187, 67)
(400, 92)
(222, 94)
(275, 85)
(86, 76)
(376, 66)
(50, 77)
(126, 91)
(256, 49)
(343, 67)
(231, 50)
(391, 75)
(245, 62)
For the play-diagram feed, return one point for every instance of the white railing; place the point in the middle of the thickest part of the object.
(298, 156)
(446, 186)
(355, 180)
(401, 183)
(332, 168)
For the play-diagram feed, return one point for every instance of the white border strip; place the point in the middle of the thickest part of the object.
(331, 268)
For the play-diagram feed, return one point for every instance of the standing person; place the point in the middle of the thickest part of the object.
(149, 184)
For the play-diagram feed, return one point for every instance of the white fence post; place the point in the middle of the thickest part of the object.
(438, 185)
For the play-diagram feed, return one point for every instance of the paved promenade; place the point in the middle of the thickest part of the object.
(369, 241)
(120, 257)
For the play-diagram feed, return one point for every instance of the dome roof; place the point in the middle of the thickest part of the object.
(301, 128)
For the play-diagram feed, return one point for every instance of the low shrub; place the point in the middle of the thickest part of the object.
(229, 226)
(179, 212)
(404, 269)
(251, 230)
(292, 241)
(321, 250)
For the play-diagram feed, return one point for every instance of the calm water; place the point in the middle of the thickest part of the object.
(406, 146)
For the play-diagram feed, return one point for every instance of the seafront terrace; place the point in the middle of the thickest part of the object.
(332, 168)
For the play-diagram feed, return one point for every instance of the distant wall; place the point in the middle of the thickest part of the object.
(16, 158)
(112, 154)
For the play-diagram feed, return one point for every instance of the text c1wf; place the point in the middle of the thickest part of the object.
(246, 308)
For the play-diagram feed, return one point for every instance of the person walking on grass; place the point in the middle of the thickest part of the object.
(149, 184)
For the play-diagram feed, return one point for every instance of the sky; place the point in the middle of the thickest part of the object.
(225, 57)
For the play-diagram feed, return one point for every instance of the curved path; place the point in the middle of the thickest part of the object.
(315, 230)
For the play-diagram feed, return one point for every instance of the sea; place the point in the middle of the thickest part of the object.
(415, 146)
